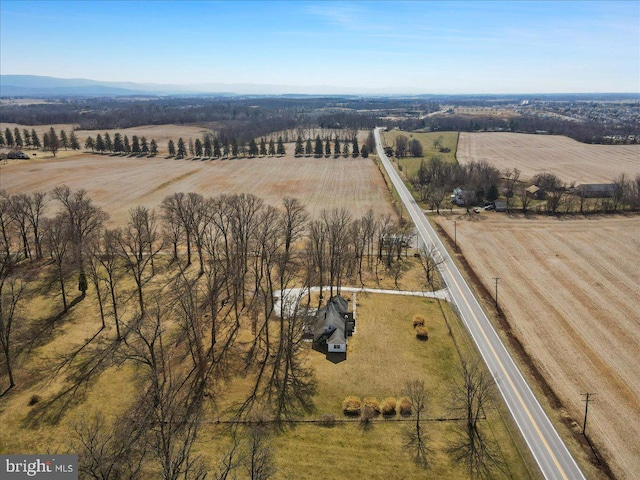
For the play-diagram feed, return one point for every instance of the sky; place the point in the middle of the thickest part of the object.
(447, 47)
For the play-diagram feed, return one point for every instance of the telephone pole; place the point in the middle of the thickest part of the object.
(586, 409)
(496, 279)
(455, 235)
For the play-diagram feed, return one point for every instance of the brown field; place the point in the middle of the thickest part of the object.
(119, 183)
(570, 160)
(569, 289)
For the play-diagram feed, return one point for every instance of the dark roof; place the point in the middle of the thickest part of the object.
(330, 319)
(596, 189)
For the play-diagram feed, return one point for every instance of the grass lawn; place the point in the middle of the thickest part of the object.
(411, 165)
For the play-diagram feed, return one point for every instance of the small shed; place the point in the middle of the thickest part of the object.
(501, 205)
(535, 192)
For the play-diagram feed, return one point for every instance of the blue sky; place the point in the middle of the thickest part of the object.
(395, 47)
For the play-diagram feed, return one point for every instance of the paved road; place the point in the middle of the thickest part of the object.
(547, 447)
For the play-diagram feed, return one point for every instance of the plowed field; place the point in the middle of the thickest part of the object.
(119, 183)
(569, 289)
(571, 161)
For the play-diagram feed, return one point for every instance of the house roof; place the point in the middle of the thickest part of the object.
(533, 189)
(330, 319)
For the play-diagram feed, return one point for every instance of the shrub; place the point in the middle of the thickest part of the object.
(351, 406)
(405, 406)
(389, 406)
(327, 420)
(418, 321)
(422, 333)
(34, 399)
(373, 404)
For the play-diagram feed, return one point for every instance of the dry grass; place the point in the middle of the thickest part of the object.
(570, 160)
(569, 288)
(120, 183)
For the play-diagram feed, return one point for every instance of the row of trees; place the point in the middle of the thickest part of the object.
(322, 147)
(121, 144)
(51, 141)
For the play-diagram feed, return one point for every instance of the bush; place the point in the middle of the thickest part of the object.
(327, 420)
(418, 321)
(389, 407)
(422, 333)
(405, 406)
(351, 406)
(34, 399)
(372, 404)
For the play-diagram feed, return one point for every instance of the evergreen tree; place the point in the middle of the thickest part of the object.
(354, 148)
(2, 142)
(336, 147)
(9, 137)
(100, 146)
(216, 148)
(182, 148)
(135, 144)
(253, 148)
(192, 149)
(172, 148)
(73, 141)
(327, 147)
(153, 147)
(272, 147)
(307, 147)
(64, 142)
(108, 146)
(225, 147)
(345, 149)
(263, 147)
(45, 141)
(89, 143)
(364, 151)
(318, 147)
(127, 145)
(198, 147)
(234, 147)
(144, 146)
(117, 143)
(27, 137)
(35, 140)
(299, 147)
(54, 142)
(208, 149)
(18, 137)
(281, 150)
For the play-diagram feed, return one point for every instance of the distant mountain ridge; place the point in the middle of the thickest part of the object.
(43, 86)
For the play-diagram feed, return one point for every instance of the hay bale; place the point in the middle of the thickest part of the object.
(372, 404)
(405, 406)
(422, 333)
(389, 407)
(418, 320)
(351, 406)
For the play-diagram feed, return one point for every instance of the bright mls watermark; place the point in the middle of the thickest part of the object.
(51, 467)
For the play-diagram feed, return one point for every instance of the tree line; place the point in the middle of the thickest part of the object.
(51, 141)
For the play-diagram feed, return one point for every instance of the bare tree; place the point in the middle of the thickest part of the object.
(35, 205)
(259, 459)
(472, 447)
(416, 439)
(10, 295)
(83, 218)
(57, 239)
(430, 260)
(138, 245)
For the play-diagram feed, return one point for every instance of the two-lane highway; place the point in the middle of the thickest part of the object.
(547, 447)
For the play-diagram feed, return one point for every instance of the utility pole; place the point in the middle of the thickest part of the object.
(455, 235)
(496, 279)
(586, 410)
